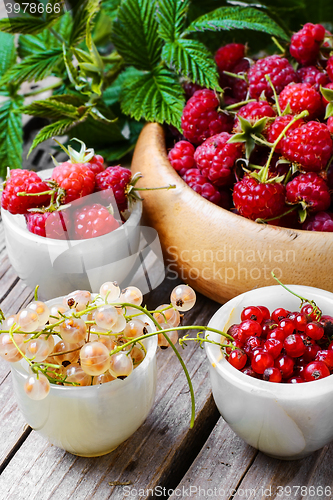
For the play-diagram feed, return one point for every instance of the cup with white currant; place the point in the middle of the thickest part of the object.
(84, 365)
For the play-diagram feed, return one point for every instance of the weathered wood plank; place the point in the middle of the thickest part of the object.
(157, 455)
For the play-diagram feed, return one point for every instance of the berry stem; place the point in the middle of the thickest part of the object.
(302, 299)
(170, 186)
(238, 105)
(268, 78)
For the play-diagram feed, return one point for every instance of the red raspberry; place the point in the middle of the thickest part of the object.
(321, 221)
(202, 186)
(201, 119)
(309, 145)
(313, 76)
(190, 88)
(309, 189)
(239, 86)
(181, 157)
(280, 71)
(228, 56)
(330, 124)
(252, 112)
(216, 157)
(96, 164)
(256, 200)
(301, 97)
(116, 178)
(92, 221)
(54, 225)
(77, 180)
(275, 128)
(23, 181)
(329, 68)
(305, 44)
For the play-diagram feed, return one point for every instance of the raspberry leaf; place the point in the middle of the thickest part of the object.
(7, 52)
(171, 17)
(135, 34)
(57, 128)
(193, 60)
(83, 17)
(11, 135)
(228, 18)
(25, 25)
(54, 107)
(34, 67)
(154, 96)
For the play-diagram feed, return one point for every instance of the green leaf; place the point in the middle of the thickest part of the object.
(112, 93)
(83, 16)
(53, 108)
(193, 60)
(135, 34)
(96, 133)
(228, 18)
(154, 96)
(35, 67)
(57, 128)
(30, 44)
(11, 135)
(110, 7)
(7, 52)
(25, 25)
(171, 16)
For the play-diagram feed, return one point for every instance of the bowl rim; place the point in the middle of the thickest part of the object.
(117, 384)
(176, 178)
(11, 222)
(236, 377)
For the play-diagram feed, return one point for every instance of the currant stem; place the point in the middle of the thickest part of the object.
(302, 299)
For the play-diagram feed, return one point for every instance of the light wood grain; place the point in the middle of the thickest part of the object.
(220, 253)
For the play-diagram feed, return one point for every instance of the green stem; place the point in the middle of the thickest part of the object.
(268, 78)
(238, 104)
(170, 186)
(58, 37)
(302, 299)
(45, 89)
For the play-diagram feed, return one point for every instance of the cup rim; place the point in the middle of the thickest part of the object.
(226, 370)
(117, 384)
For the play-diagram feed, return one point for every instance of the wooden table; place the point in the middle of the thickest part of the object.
(164, 458)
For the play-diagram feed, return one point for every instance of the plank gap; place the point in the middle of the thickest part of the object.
(249, 465)
(15, 448)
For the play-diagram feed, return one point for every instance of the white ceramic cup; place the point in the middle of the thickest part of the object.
(286, 421)
(90, 421)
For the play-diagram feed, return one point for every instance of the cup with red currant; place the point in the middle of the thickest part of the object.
(273, 381)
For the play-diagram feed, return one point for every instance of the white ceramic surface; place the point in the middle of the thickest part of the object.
(285, 421)
(61, 266)
(91, 421)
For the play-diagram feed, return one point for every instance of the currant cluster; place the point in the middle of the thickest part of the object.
(46, 204)
(282, 346)
(89, 340)
(263, 147)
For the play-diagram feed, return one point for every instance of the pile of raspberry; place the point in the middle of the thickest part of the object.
(282, 346)
(286, 177)
(60, 207)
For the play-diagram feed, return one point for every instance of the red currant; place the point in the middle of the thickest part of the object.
(314, 330)
(268, 325)
(287, 326)
(315, 371)
(294, 345)
(252, 312)
(309, 312)
(326, 356)
(277, 334)
(272, 374)
(237, 359)
(261, 361)
(251, 373)
(273, 346)
(248, 328)
(285, 364)
(279, 314)
(295, 380)
(265, 312)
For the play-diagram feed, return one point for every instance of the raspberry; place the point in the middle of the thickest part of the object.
(92, 221)
(96, 164)
(181, 157)
(309, 189)
(23, 181)
(305, 44)
(275, 128)
(301, 96)
(321, 221)
(54, 225)
(256, 200)
(309, 145)
(330, 124)
(239, 87)
(252, 112)
(190, 88)
(216, 157)
(329, 68)
(202, 186)
(116, 178)
(280, 71)
(228, 56)
(76, 179)
(313, 76)
(201, 119)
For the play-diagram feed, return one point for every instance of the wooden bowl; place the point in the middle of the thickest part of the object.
(218, 253)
